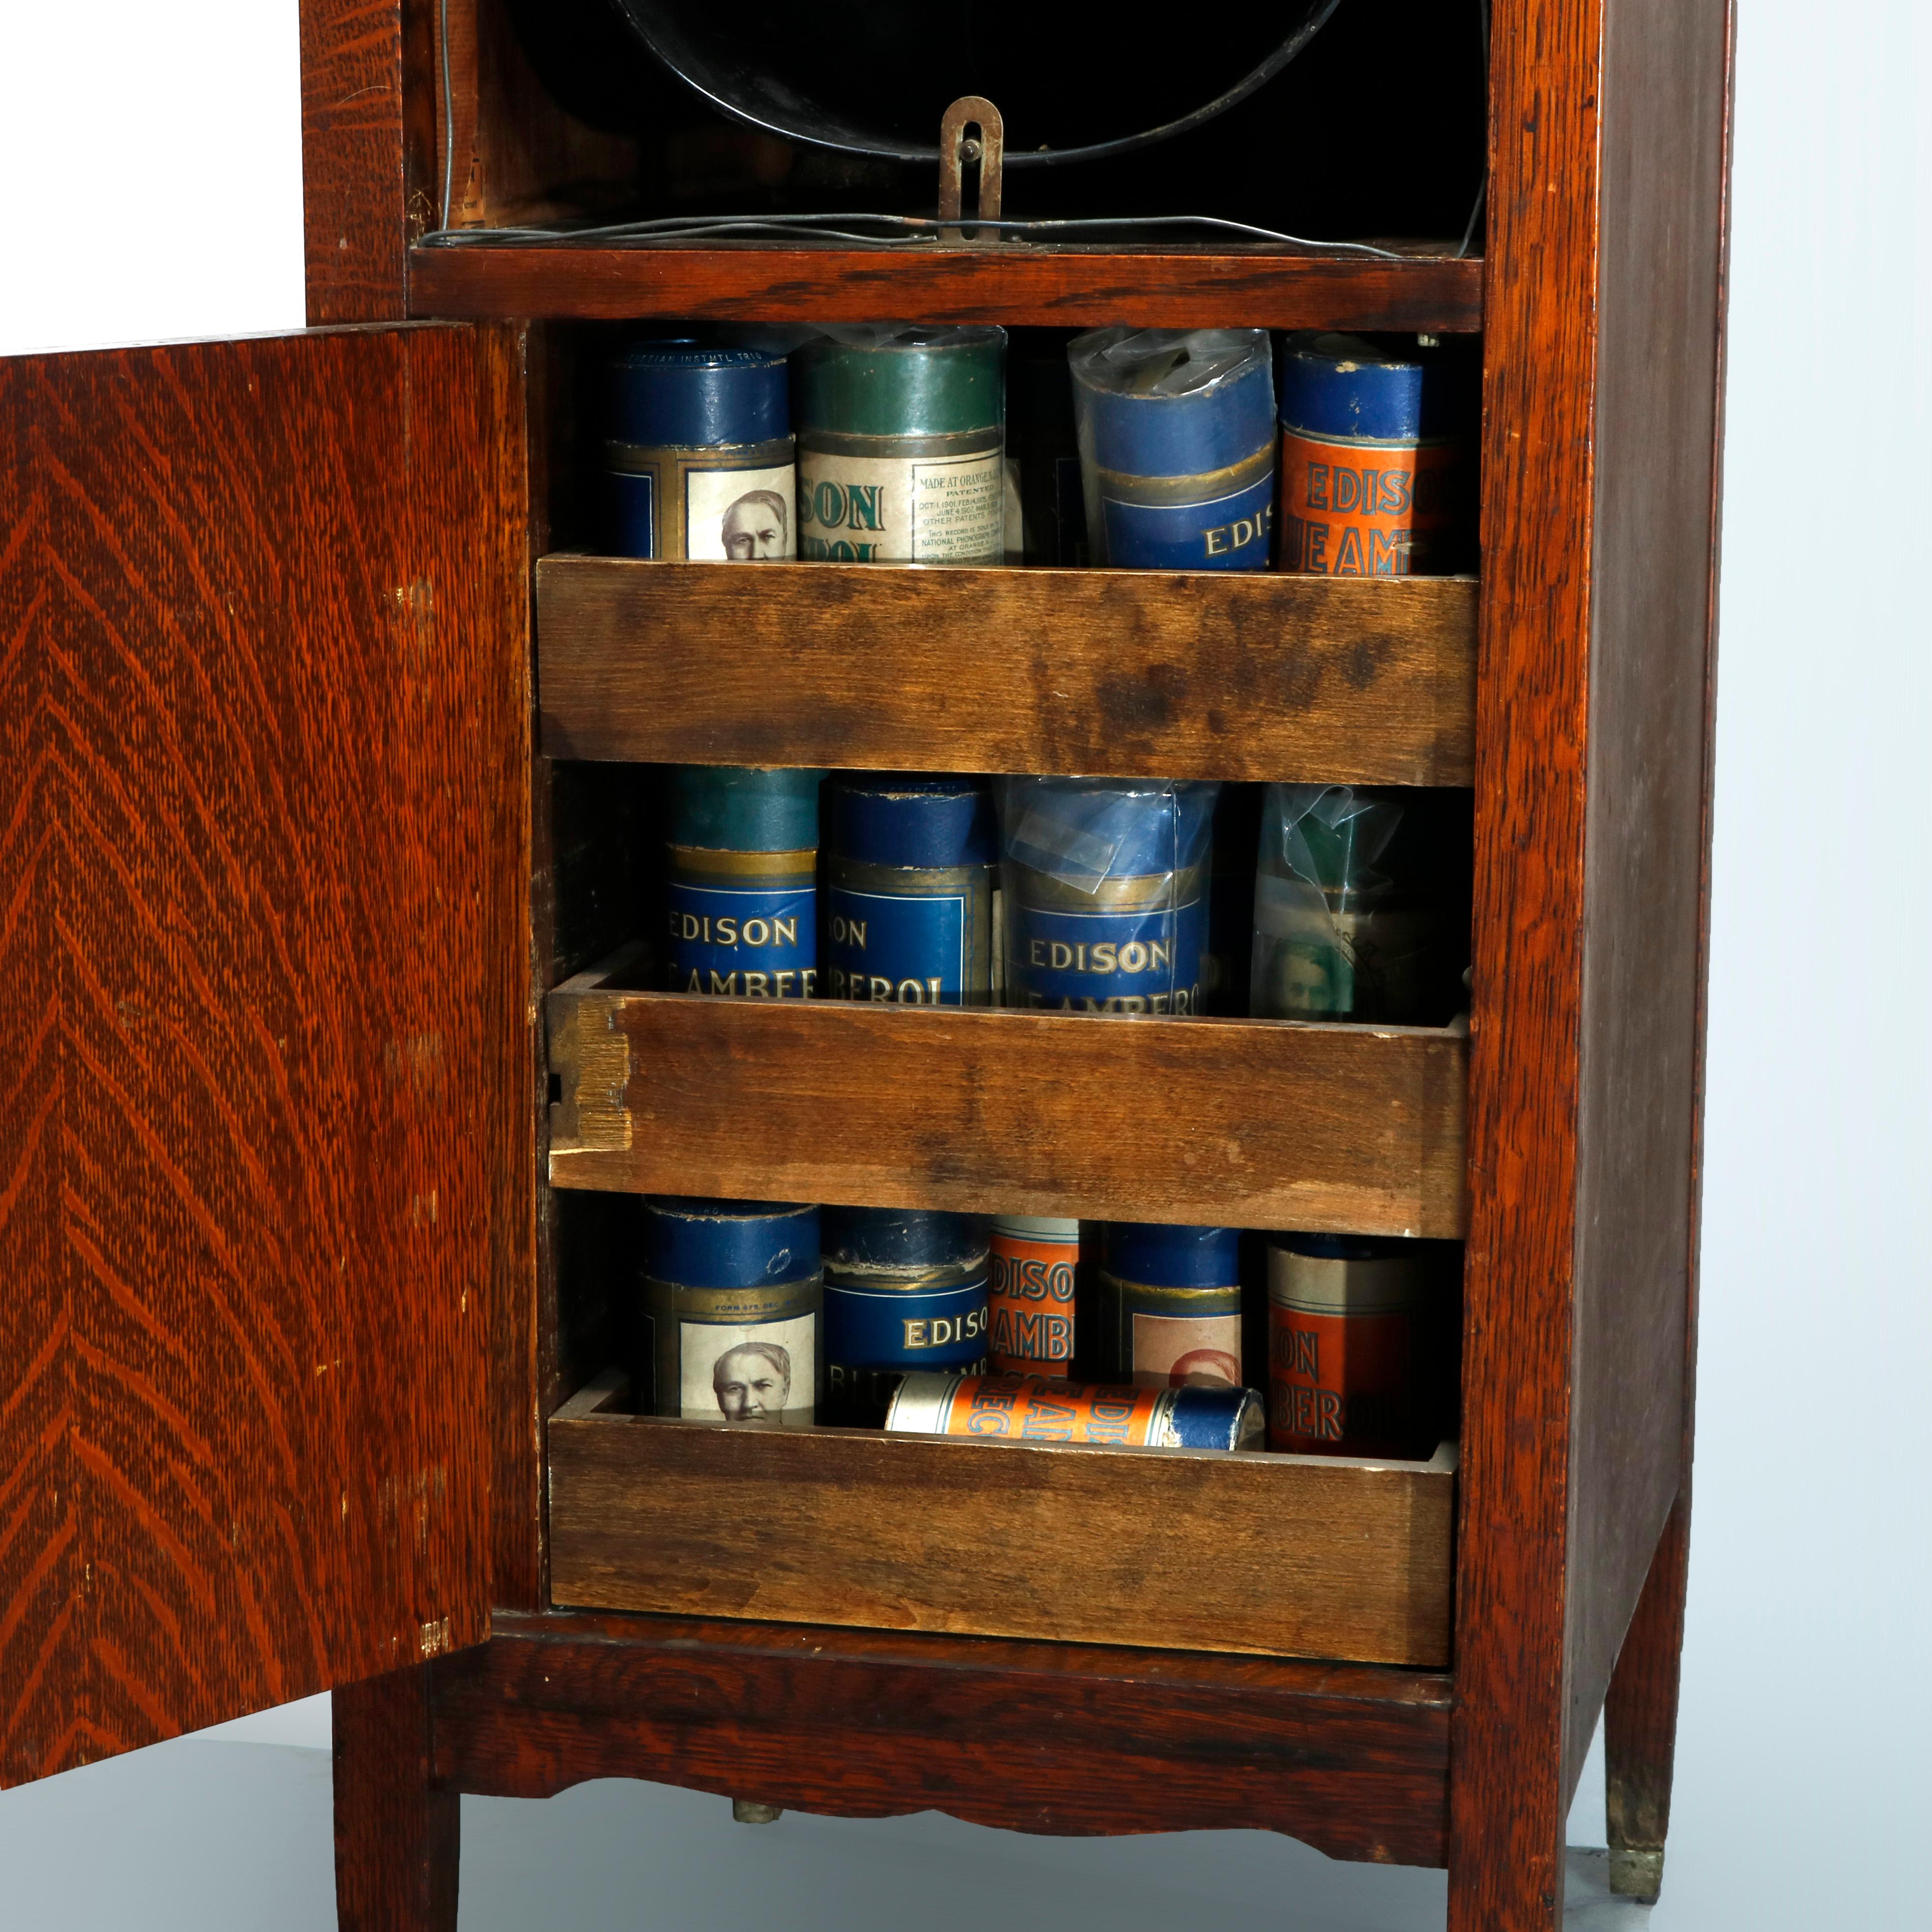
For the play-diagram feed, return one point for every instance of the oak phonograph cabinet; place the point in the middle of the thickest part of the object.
(306, 1089)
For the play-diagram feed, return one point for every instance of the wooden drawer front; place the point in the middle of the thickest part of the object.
(1236, 1123)
(1350, 680)
(1290, 1555)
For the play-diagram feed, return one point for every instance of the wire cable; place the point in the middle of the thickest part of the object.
(1483, 186)
(901, 229)
(448, 113)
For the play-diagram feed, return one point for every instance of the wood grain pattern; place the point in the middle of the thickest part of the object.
(398, 1834)
(1508, 1799)
(1058, 287)
(1065, 1738)
(356, 160)
(1028, 1113)
(1656, 430)
(265, 1154)
(1291, 1556)
(524, 1322)
(519, 157)
(1201, 674)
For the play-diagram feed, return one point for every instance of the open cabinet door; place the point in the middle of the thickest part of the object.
(265, 1142)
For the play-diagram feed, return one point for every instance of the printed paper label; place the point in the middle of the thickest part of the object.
(885, 946)
(1032, 1305)
(1364, 510)
(1174, 1350)
(739, 516)
(753, 944)
(1229, 533)
(882, 509)
(765, 1371)
(1133, 962)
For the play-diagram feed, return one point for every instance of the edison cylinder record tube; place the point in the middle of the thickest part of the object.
(742, 886)
(698, 454)
(910, 865)
(905, 1289)
(901, 440)
(730, 1293)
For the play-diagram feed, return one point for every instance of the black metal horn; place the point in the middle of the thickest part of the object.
(1075, 82)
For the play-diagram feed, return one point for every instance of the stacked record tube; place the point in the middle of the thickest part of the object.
(1135, 1335)
(1159, 449)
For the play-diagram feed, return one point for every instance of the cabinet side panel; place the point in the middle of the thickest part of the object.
(1506, 1799)
(1664, 119)
(41, 1566)
(271, 1156)
(354, 158)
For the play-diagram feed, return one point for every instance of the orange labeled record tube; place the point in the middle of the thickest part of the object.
(1376, 470)
(1344, 1320)
(1031, 1294)
(1034, 1408)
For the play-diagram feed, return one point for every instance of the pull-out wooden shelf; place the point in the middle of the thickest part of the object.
(1169, 674)
(1290, 1555)
(1236, 1123)
(1016, 285)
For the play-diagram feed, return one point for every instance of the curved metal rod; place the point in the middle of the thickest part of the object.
(841, 137)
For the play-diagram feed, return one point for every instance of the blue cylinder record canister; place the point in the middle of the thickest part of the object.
(743, 861)
(1177, 434)
(1168, 1304)
(1105, 893)
(905, 1289)
(1375, 456)
(698, 453)
(729, 1295)
(908, 894)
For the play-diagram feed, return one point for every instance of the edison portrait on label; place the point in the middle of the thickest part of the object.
(762, 1372)
(754, 527)
(753, 1382)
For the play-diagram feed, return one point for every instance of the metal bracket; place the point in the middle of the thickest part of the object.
(971, 130)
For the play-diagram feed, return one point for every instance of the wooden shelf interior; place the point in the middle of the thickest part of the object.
(1017, 286)
(1344, 680)
(1261, 1125)
(1290, 1555)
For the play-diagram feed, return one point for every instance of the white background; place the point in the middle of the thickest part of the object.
(152, 159)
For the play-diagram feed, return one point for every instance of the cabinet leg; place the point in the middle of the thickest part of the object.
(396, 1834)
(1640, 1717)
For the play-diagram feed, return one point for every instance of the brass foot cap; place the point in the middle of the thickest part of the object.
(749, 1811)
(1637, 1874)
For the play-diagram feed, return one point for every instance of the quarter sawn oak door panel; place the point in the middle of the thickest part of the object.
(264, 1152)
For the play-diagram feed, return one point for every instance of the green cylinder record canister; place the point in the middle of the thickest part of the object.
(1341, 930)
(1168, 1304)
(908, 892)
(742, 864)
(900, 434)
